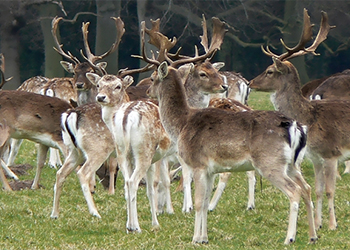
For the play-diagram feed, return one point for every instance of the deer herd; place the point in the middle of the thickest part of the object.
(187, 114)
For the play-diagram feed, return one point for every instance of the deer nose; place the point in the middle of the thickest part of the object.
(224, 87)
(100, 98)
(80, 85)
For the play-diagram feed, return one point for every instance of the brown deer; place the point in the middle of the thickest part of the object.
(327, 120)
(76, 89)
(62, 88)
(231, 142)
(137, 119)
(211, 140)
(87, 137)
(35, 117)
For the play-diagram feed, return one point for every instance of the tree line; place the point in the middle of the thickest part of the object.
(27, 44)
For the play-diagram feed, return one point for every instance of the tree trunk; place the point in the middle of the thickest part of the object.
(293, 15)
(52, 58)
(106, 32)
(10, 44)
(141, 13)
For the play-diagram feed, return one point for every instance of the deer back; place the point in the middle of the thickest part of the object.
(34, 84)
(334, 87)
(80, 123)
(237, 86)
(32, 116)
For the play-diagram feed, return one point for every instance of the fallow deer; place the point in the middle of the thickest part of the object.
(87, 137)
(34, 117)
(327, 120)
(140, 119)
(211, 140)
(62, 88)
(86, 92)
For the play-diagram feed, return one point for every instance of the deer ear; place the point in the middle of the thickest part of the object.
(218, 65)
(69, 67)
(93, 78)
(185, 70)
(163, 70)
(127, 81)
(280, 67)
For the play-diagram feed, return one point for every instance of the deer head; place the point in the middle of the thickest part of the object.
(270, 79)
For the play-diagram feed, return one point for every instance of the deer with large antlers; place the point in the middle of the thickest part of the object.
(328, 120)
(210, 141)
(87, 137)
(140, 119)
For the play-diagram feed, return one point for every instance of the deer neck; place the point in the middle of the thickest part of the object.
(195, 97)
(289, 100)
(87, 96)
(173, 107)
(108, 111)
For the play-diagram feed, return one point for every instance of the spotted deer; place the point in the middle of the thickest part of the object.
(87, 137)
(138, 119)
(327, 120)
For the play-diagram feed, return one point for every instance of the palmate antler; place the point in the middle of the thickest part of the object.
(164, 44)
(306, 36)
(91, 58)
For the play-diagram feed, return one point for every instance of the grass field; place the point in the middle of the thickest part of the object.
(26, 223)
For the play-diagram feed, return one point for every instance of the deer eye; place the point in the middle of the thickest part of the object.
(269, 72)
(202, 74)
(98, 85)
(118, 87)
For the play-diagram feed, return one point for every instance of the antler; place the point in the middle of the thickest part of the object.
(306, 36)
(160, 40)
(217, 39)
(59, 46)
(124, 72)
(91, 58)
(2, 70)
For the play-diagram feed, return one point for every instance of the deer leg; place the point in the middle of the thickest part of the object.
(113, 168)
(85, 174)
(223, 179)
(3, 178)
(347, 167)
(159, 187)
(292, 190)
(187, 179)
(319, 189)
(166, 180)
(70, 163)
(127, 172)
(306, 195)
(251, 190)
(331, 166)
(55, 158)
(151, 196)
(203, 186)
(14, 148)
(41, 158)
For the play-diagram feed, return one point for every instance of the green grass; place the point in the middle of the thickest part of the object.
(26, 223)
